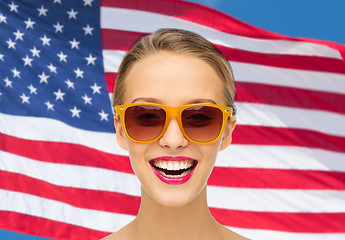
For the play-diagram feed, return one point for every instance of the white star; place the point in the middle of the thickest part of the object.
(96, 89)
(19, 35)
(11, 44)
(2, 18)
(104, 116)
(2, 57)
(52, 68)
(58, 27)
(69, 84)
(8, 82)
(49, 105)
(79, 73)
(57, 1)
(45, 40)
(90, 59)
(32, 89)
(42, 11)
(88, 2)
(72, 14)
(44, 78)
(59, 95)
(27, 60)
(88, 30)
(62, 57)
(13, 7)
(87, 100)
(25, 99)
(29, 24)
(74, 44)
(16, 73)
(75, 112)
(35, 52)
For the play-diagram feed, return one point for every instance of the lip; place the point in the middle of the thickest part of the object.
(173, 180)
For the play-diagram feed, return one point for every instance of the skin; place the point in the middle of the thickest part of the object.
(173, 211)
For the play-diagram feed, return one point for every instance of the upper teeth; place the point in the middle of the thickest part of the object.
(173, 165)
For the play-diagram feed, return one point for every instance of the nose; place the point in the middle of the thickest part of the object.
(173, 138)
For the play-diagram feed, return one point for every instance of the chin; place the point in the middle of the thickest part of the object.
(174, 197)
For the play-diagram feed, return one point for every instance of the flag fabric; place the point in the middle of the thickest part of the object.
(63, 176)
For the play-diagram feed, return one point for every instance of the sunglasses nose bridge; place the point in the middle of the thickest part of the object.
(174, 112)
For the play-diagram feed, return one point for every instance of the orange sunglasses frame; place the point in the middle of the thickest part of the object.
(170, 112)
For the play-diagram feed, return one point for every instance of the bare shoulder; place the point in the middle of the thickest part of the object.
(227, 234)
(122, 234)
(115, 236)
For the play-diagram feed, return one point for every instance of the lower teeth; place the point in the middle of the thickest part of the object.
(185, 173)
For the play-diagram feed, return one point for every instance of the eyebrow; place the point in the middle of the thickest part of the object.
(144, 99)
(155, 100)
(202, 100)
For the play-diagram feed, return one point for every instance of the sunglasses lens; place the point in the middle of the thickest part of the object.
(144, 122)
(202, 123)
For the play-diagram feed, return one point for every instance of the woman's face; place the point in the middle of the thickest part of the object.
(173, 80)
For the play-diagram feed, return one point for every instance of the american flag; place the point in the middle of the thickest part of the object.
(63, 176)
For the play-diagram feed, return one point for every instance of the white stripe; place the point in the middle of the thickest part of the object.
(62, 212)
(47, 129)
(141, 21)
(256, 234)
(112, 59)
(72, 175)
(254, 73)
(287, 117)
(273, 200)
(235, 198)
(312, 80)
(280, 157)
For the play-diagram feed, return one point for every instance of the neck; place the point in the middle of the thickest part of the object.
(192, 221)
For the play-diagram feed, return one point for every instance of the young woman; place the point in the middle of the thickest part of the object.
(174, 103)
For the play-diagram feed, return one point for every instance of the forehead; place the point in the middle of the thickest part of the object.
(173, 79)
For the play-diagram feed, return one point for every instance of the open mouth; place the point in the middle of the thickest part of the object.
(175, 168)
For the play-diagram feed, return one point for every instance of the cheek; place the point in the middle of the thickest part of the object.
(134, 151)
(137, 153)
(211, 151)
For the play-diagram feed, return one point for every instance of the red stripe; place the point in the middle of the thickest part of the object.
(282, 221)
(289, 97)
(42, 227)
(291, 222)
(110, 81)
(275, 136)
(312, 63)
(68, 153)
(119, 39)
(277, 178)
(334, 45)
(123, 40)
(196, 13)
(78, 197)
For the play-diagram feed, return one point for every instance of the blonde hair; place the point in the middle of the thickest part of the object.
(180, 42)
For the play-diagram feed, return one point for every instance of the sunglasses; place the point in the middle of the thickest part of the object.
(199, 123)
